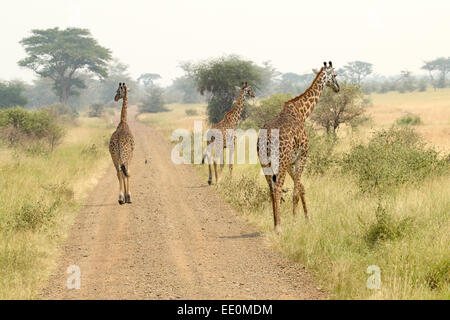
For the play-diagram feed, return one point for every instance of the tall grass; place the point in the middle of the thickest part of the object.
(39, 197)
(405, 231)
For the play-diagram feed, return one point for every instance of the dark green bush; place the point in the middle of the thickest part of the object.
(393, 157)
(409, 120)
(191, 112)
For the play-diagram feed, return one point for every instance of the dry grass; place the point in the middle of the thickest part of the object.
(175, 118)
(339, 243)
(39, 198)
(433, 108)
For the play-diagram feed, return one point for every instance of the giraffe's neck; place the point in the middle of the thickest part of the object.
(234, 114)
(304, 104)
(123, 115)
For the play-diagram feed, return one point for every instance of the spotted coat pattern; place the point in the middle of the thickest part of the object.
(229, 122)
(121, 147)
(293, 141)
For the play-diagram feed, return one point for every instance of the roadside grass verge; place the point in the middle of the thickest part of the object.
(354, 222)
(39, 197)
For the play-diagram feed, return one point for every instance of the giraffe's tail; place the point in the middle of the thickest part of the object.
(204, 157)
(124, 170)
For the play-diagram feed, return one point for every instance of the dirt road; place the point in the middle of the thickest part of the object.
(177, 240)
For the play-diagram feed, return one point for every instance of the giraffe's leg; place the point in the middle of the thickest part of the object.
(121, 192)
(128, 192)
(275, 184)
(215, 171)
(276, 203)
(295, 172)
(231, 160)
(210, 173)
(208, 158)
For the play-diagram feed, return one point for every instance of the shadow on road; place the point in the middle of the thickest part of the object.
(243, 236)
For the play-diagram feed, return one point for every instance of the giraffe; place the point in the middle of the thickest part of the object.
(293, 141)
(121, 147)
(229, 122)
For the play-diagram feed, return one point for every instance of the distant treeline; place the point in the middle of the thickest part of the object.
(75, 70)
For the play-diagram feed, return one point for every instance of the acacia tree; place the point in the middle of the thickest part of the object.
(356, 71)
(442, 65)
(219, 78)
(334, 109)
(148, 79)
(12, 94)
(61, 55)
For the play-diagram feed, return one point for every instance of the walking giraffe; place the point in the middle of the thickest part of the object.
(121, 147)
(229, 122)
(293, 141)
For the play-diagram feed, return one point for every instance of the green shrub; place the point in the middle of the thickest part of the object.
(245, 192)
(96, 110)
(191, 112)
(61, 112)
(267, 110)
(409, 120)
(392, 158)
(22, 127)
(33, 215)
(386, 227)
(153, 102)
(321, 156)
(438, 275)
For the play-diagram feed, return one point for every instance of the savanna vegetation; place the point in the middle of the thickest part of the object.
(377, 177)
(47, 168)
(377, 194)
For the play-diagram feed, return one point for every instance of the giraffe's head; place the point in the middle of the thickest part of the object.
(248, 91)
(120, 93)
(329, 76)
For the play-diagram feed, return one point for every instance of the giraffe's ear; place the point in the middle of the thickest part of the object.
(238, 88)
(128, 89)
(315, 71)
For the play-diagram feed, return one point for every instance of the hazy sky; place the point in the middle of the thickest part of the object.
(154, 36)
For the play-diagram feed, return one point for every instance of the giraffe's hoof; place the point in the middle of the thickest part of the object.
(128, 198)
(121, 199)
(210, 182)
(278, 229)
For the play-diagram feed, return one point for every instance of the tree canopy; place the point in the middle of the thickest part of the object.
(61, 55)
(12, 94)
(334, 109)
(356, 71)
(148, 79)
(442, 65)
(219, 78)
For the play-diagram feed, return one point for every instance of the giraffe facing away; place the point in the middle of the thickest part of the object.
(229, 122)
(121, 147)
(293, 141)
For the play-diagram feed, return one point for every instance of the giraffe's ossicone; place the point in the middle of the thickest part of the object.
(121, 147)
